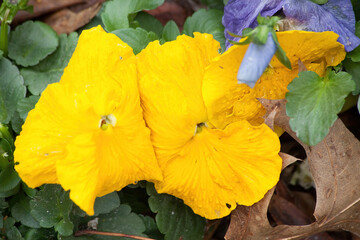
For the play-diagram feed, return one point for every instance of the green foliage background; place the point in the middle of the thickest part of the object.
(37, 57)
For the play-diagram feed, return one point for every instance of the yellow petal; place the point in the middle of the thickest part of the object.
(35, 151)
(218, 169)
(96, 52)
(107, 162)
(310, 47)
(207, 168)
(226, 100)
(316, 50)
(170, 81)
(87, 132)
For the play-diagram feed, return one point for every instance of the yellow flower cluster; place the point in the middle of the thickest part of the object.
(174, 115)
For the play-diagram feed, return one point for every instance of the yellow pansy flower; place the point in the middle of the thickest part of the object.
(211, 169)
(87, 132)
(316, 50)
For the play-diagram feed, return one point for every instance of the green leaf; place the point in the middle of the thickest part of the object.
(353, 68)
(32, 42)
(26, 104)
(40, 234)
(51, 208)
(281, 56)
(356, 8)
(206, 21)
(171, 31)
(247, 41)
(149, 23)
(218, 4)
(313, 103)
(11, 192)
(134, 197)
(355, 54)
(16, 122)
(12, 90)
(116, 12)
(320, 1)
(31, 192)
(9, 179)
(357, 28)
(174, 218)
(106, 203)
(235, 35)
(137, 38)
(261, 36)
(5, 135)
(22, 228)
(280, 53)
(1, 220)
(247, 31)
(3, 204)
(64, 227)
(121, 220)
(21, 212)
(51, 68)
(12, 233)
(152, 230)
(6, 154)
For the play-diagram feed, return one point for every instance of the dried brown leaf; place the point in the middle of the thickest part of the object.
(68, 20)
(301, 65)
(43, 7)
(270, 118)
(335, 167)
(292, 216)
(177, 11)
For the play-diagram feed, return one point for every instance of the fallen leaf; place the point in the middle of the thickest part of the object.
(43, 7)
(270, 118)
(304, 201)
(335, 166)
(171, 11)
(68, 20)
(292, 216)
(301, 65)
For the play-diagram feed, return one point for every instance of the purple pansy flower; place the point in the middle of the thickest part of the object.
(240, 14)
(335, 15)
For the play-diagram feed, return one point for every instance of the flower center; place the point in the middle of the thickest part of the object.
(199, 127)
(107, 120)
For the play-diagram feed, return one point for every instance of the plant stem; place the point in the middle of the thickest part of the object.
(3, 163)
(5, 134)
(4, 34)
